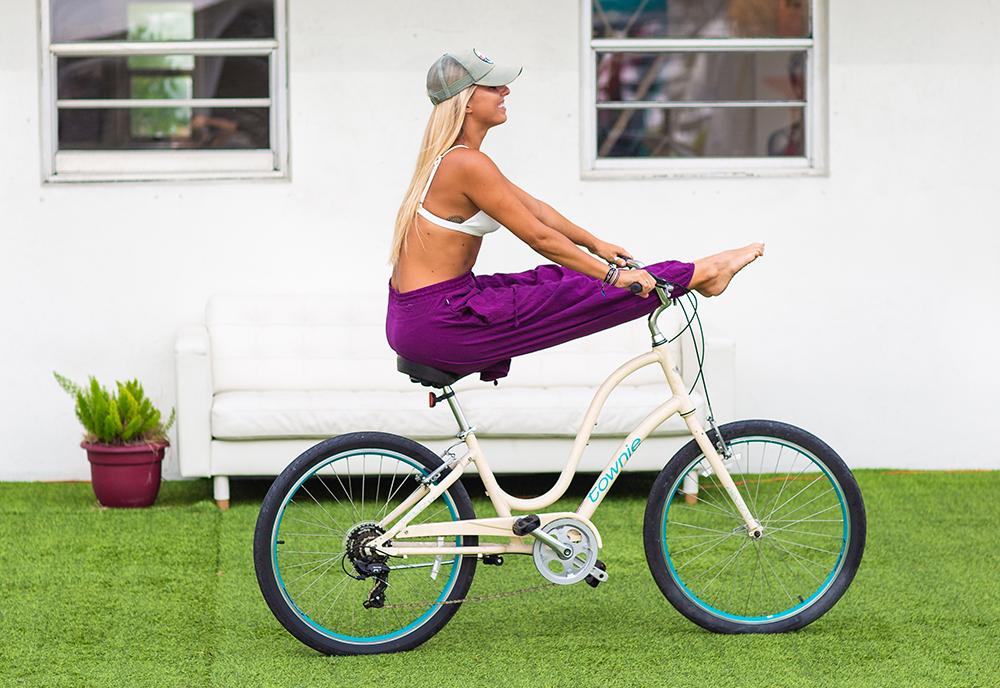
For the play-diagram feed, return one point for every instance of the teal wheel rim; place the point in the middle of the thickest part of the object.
(803, 548)
(448, 567)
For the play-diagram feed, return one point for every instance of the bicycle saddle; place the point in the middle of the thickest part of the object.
(425, 374)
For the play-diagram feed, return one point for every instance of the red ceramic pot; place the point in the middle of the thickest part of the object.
(125, 476)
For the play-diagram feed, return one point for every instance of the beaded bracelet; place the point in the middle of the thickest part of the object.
(610, 278)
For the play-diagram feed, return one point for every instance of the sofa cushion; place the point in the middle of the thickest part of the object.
(337, 341)
(555, 411)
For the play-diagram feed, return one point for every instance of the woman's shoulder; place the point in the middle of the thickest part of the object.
(468, 161)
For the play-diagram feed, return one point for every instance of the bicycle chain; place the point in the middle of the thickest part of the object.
(480, 598)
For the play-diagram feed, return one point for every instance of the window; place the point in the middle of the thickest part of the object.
(163, 89)
(717, 87)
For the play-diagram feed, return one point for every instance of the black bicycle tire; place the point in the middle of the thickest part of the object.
(732, 431)
(265, 523)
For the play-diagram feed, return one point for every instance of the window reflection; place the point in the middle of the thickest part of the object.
(701, 19)
(212, 77)
(115, 128)
(160, 21)
(700, 133)
(684, 76)
(701, 77)
(111, 20)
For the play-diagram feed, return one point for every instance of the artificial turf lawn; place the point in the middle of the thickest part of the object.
(166, 596)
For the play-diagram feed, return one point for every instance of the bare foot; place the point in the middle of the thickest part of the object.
(713, 274)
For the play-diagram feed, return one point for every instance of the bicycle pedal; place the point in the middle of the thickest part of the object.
(597, 575)
(526, 524)
(493, 560)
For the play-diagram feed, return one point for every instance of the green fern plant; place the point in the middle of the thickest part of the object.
(124, 417)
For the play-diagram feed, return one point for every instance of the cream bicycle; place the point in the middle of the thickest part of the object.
(368, 542)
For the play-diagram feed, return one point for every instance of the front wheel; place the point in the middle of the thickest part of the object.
(313, 567)
(813, 519)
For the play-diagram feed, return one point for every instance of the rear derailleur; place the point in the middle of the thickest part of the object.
(380, 572)
(367, 563)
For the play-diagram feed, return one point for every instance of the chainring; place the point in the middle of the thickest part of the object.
(578, 536)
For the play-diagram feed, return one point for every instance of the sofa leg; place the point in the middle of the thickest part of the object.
(691, 488)
(220, 490)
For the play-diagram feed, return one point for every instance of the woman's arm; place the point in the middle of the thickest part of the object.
(551, 217)
(489, 190)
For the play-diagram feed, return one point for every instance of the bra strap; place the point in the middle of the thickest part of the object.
(437, 162)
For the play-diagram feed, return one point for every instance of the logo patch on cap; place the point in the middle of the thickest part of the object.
(482, 57)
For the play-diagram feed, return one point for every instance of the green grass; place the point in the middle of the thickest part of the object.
(167, 597)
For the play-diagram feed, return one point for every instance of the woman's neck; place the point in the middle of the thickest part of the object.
(471, 136)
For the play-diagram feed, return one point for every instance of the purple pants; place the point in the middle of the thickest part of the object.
(476, 323)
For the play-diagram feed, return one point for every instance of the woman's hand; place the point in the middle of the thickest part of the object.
(611, 252)
(646, 280)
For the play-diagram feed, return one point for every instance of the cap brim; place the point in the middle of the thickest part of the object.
(500, 76)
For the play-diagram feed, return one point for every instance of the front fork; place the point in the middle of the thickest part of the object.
(753, 526)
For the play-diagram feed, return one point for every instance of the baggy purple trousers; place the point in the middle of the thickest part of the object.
(476, 323)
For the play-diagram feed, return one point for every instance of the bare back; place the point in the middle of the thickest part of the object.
(434, 254)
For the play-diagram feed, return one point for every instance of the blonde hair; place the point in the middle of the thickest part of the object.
(443, 127)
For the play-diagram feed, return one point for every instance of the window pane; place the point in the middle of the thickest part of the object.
(163, 128)
(131, 20)
(701, 19)
(700, 76)
(210, 77)
(701, 132)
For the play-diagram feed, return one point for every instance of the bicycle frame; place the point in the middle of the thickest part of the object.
(679, 402)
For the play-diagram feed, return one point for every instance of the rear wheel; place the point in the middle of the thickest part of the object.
(313, 567)
(813, 519)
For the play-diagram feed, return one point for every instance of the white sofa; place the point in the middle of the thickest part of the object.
(267, 376)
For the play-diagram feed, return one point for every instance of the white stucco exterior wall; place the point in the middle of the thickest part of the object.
(871, 320)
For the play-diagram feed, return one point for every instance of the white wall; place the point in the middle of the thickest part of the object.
(870, 321)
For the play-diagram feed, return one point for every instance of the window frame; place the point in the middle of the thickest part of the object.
(62, 166)
(813, 163)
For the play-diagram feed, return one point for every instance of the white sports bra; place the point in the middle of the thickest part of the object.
(479, 224)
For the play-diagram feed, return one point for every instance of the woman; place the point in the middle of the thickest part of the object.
(440, 313)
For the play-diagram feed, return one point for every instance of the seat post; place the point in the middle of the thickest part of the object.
(456, 409)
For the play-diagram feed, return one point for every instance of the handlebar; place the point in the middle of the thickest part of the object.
(661, 284)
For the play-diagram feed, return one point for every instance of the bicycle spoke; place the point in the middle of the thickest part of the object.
(778, 580)
(804, 532)
(336, 473)
(721, 540)
(804, 504)
(792, 496)
(378, 483)
(688, 525)
(313, 523)
(708, 503)
(306, 563)
(801, 560)
(381, 511)
(327, 587)
(721, 506)
(725, 563)
(799, 544)
(332, 519)
(363, 466)
(329, 566)
(753, 574)
(788, 478)
(810, 484)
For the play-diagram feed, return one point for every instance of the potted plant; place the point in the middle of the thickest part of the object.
(124, 438)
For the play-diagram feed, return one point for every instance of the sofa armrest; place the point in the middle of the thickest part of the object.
(720, 374)
(194, 400)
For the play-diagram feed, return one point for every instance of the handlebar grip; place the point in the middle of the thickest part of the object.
(635, 287)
